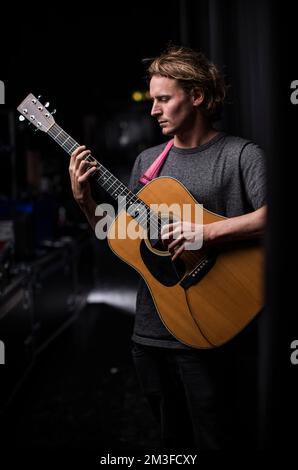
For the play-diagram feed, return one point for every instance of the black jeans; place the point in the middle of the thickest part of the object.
(190, 393)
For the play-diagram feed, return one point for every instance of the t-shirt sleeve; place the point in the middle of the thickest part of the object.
(253, 168)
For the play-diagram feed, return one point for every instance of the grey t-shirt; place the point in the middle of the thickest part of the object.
(227, 176)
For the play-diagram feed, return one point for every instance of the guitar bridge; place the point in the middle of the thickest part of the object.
(199, 271)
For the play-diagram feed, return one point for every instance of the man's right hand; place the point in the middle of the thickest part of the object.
(80, 172)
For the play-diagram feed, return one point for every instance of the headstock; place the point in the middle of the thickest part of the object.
(36, 113)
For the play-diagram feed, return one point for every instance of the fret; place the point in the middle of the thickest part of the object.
(34, 111)
(71, 149)
(134, 206)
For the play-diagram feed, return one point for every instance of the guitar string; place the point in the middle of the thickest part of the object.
(132, 199)
(188, 254)
(72, 145)
(155, 220)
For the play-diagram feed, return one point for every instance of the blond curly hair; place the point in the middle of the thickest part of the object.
(192, 70)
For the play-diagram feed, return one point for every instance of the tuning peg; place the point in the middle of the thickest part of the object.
(47, 104)
(53, 112)
(39, 97)
(21, 118)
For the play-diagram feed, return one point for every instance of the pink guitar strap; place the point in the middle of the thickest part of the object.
(153, 170)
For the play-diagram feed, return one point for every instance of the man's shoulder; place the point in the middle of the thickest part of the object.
(237, 141)
(151, 152)
(240, 146)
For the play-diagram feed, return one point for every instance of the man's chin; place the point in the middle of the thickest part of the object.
(167, 131)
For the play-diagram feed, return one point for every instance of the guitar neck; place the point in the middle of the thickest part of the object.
(36, 113)
(103, 176)
(137, 208)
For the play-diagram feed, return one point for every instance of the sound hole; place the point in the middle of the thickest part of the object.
(176, 268)
(160, 264)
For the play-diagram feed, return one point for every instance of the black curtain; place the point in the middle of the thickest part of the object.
(253, 43)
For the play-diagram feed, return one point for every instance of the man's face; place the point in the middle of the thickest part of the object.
(172, 106)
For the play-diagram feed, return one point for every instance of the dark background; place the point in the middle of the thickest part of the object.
(87, 64)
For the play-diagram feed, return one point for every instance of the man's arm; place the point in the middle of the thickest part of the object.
(243, 227)
(236, 228)
(80, 172)
(89, 211)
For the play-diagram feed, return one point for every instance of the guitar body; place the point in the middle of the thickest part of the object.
(222, 300)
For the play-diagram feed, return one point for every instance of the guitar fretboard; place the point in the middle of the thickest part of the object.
(134, 206)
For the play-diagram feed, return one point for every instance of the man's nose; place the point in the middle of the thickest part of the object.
(155, 110)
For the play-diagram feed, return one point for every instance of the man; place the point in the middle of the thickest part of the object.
(227, 175)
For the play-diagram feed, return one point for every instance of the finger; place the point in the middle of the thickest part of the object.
(177, 231)
(166, 231)
(83, 178)
(178, 253)
(170, 227)
(85, 165)
(80, 157)
(176, 242)
(78, 150)
(75, 156)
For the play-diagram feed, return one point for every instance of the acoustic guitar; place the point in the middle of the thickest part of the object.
(206, 297)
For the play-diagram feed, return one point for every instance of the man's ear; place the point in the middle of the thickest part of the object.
(198, 96)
